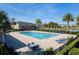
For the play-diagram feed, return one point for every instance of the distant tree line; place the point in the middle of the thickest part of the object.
(66, 18)
(51, 24)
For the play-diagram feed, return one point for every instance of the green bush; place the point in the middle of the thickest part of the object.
(77, 33)
(70, 39)
(67, 48)
(74, 51)
(3, 50)
(48, 51)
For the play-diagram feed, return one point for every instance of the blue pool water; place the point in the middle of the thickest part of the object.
(39, 35)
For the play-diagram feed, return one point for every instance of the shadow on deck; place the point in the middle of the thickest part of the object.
(13, 42)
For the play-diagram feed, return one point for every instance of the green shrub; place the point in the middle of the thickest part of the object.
(3, 50)
(70, 39)
(48, 51)
(77, 33)
(74, 51)
(67, 48)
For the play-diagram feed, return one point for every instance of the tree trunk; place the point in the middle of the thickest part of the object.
(67, 25)
(40, 26)
(3, 40)
(55, 27)
(49, 28)
(3, 35)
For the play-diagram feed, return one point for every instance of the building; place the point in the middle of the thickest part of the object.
(24, 26)
(62, 25)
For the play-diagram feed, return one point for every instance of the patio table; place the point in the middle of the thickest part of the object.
(33, 46)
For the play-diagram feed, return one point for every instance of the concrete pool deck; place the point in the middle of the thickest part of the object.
(43, 43)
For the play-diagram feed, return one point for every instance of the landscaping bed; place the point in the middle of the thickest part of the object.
(68, 48)
(74, 51)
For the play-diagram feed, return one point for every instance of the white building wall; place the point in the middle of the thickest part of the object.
(15, 26)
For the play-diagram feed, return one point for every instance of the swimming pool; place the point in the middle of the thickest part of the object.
(39, 35)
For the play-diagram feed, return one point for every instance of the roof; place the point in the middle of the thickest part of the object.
(26, 23)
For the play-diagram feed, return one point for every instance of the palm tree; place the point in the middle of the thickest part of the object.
(50, 24)
(4, 24)
(77, 20)
(45, 25)
(54, 25)
(38, 22)
(13, 23)
(68, 18)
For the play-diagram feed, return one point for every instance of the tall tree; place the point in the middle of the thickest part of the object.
(13, 22)
(45, 25)
(68, 18)
(52, 24)
(77, 20)
(4, 23)
(38, 22)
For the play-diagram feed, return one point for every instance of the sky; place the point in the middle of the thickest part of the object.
(47, 12)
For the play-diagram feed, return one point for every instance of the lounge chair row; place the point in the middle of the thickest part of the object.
(63, 40)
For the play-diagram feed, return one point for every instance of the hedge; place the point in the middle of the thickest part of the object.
(49, 51)
(59, 31)
(74, 51)
(67, 48)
